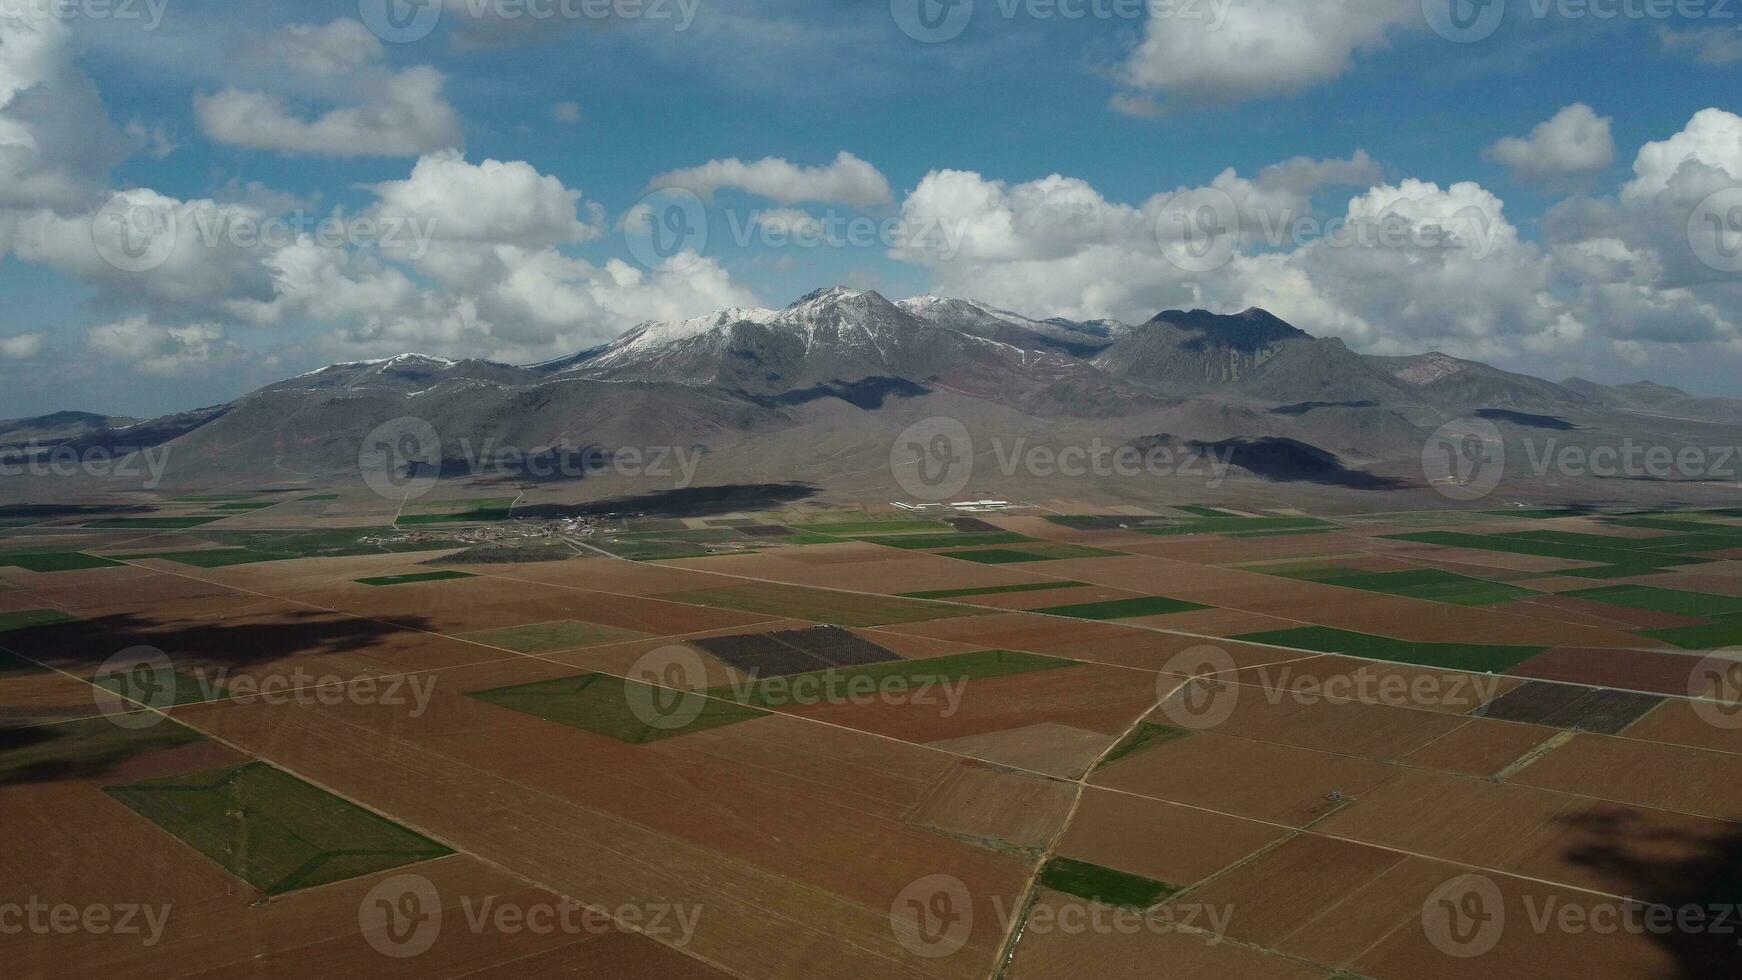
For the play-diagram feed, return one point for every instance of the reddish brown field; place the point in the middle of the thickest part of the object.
(1644, 773)
(1479, 747)
(1258, 780)
(1381, 733)
(1057, 954)
(1628, 670)
(1425, 688)
(1678, 723)
(600, 819)
(1323, 811)
(1524, 831)
(1159, 840)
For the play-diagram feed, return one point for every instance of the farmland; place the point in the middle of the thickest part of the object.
(1148, 717)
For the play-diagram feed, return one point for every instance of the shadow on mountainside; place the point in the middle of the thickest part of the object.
(683, 502)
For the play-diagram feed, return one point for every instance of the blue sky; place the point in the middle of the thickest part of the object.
(1043, 152)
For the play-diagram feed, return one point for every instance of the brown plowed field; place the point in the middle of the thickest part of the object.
(1163, 841)
(1260, 780)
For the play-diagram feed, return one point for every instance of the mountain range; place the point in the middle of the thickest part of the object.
(790, 393)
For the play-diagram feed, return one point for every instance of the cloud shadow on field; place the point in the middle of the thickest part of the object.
(81, 648)
(682, 502)
(1674, 868)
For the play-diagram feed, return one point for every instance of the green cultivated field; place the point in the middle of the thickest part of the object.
(1099, 523)
(31, 618)
(849, 528)
(85, 748)
(1457, 656)
(645, 549)
(211, 557)
(385, 580)
(993, 590)
(546, 637)
(156, 523)
(1154, 605)
(1238, 525)
(1147, 735)
(1726, 632)
(605, 705)
(159, 688)
(911, 674)
(1103, 885)
(1029, 553)
(272, 830)
(248, 547)
(932, 542)
(837, 608)
(1615, 558)
(1662, 600)
(1427, 583)
(54, 561)
(471, 512)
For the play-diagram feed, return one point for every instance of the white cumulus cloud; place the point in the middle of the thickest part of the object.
(1575, 143)
(1219, 54)
(848, 180)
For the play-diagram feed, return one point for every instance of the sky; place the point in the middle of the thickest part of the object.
(199, 197)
